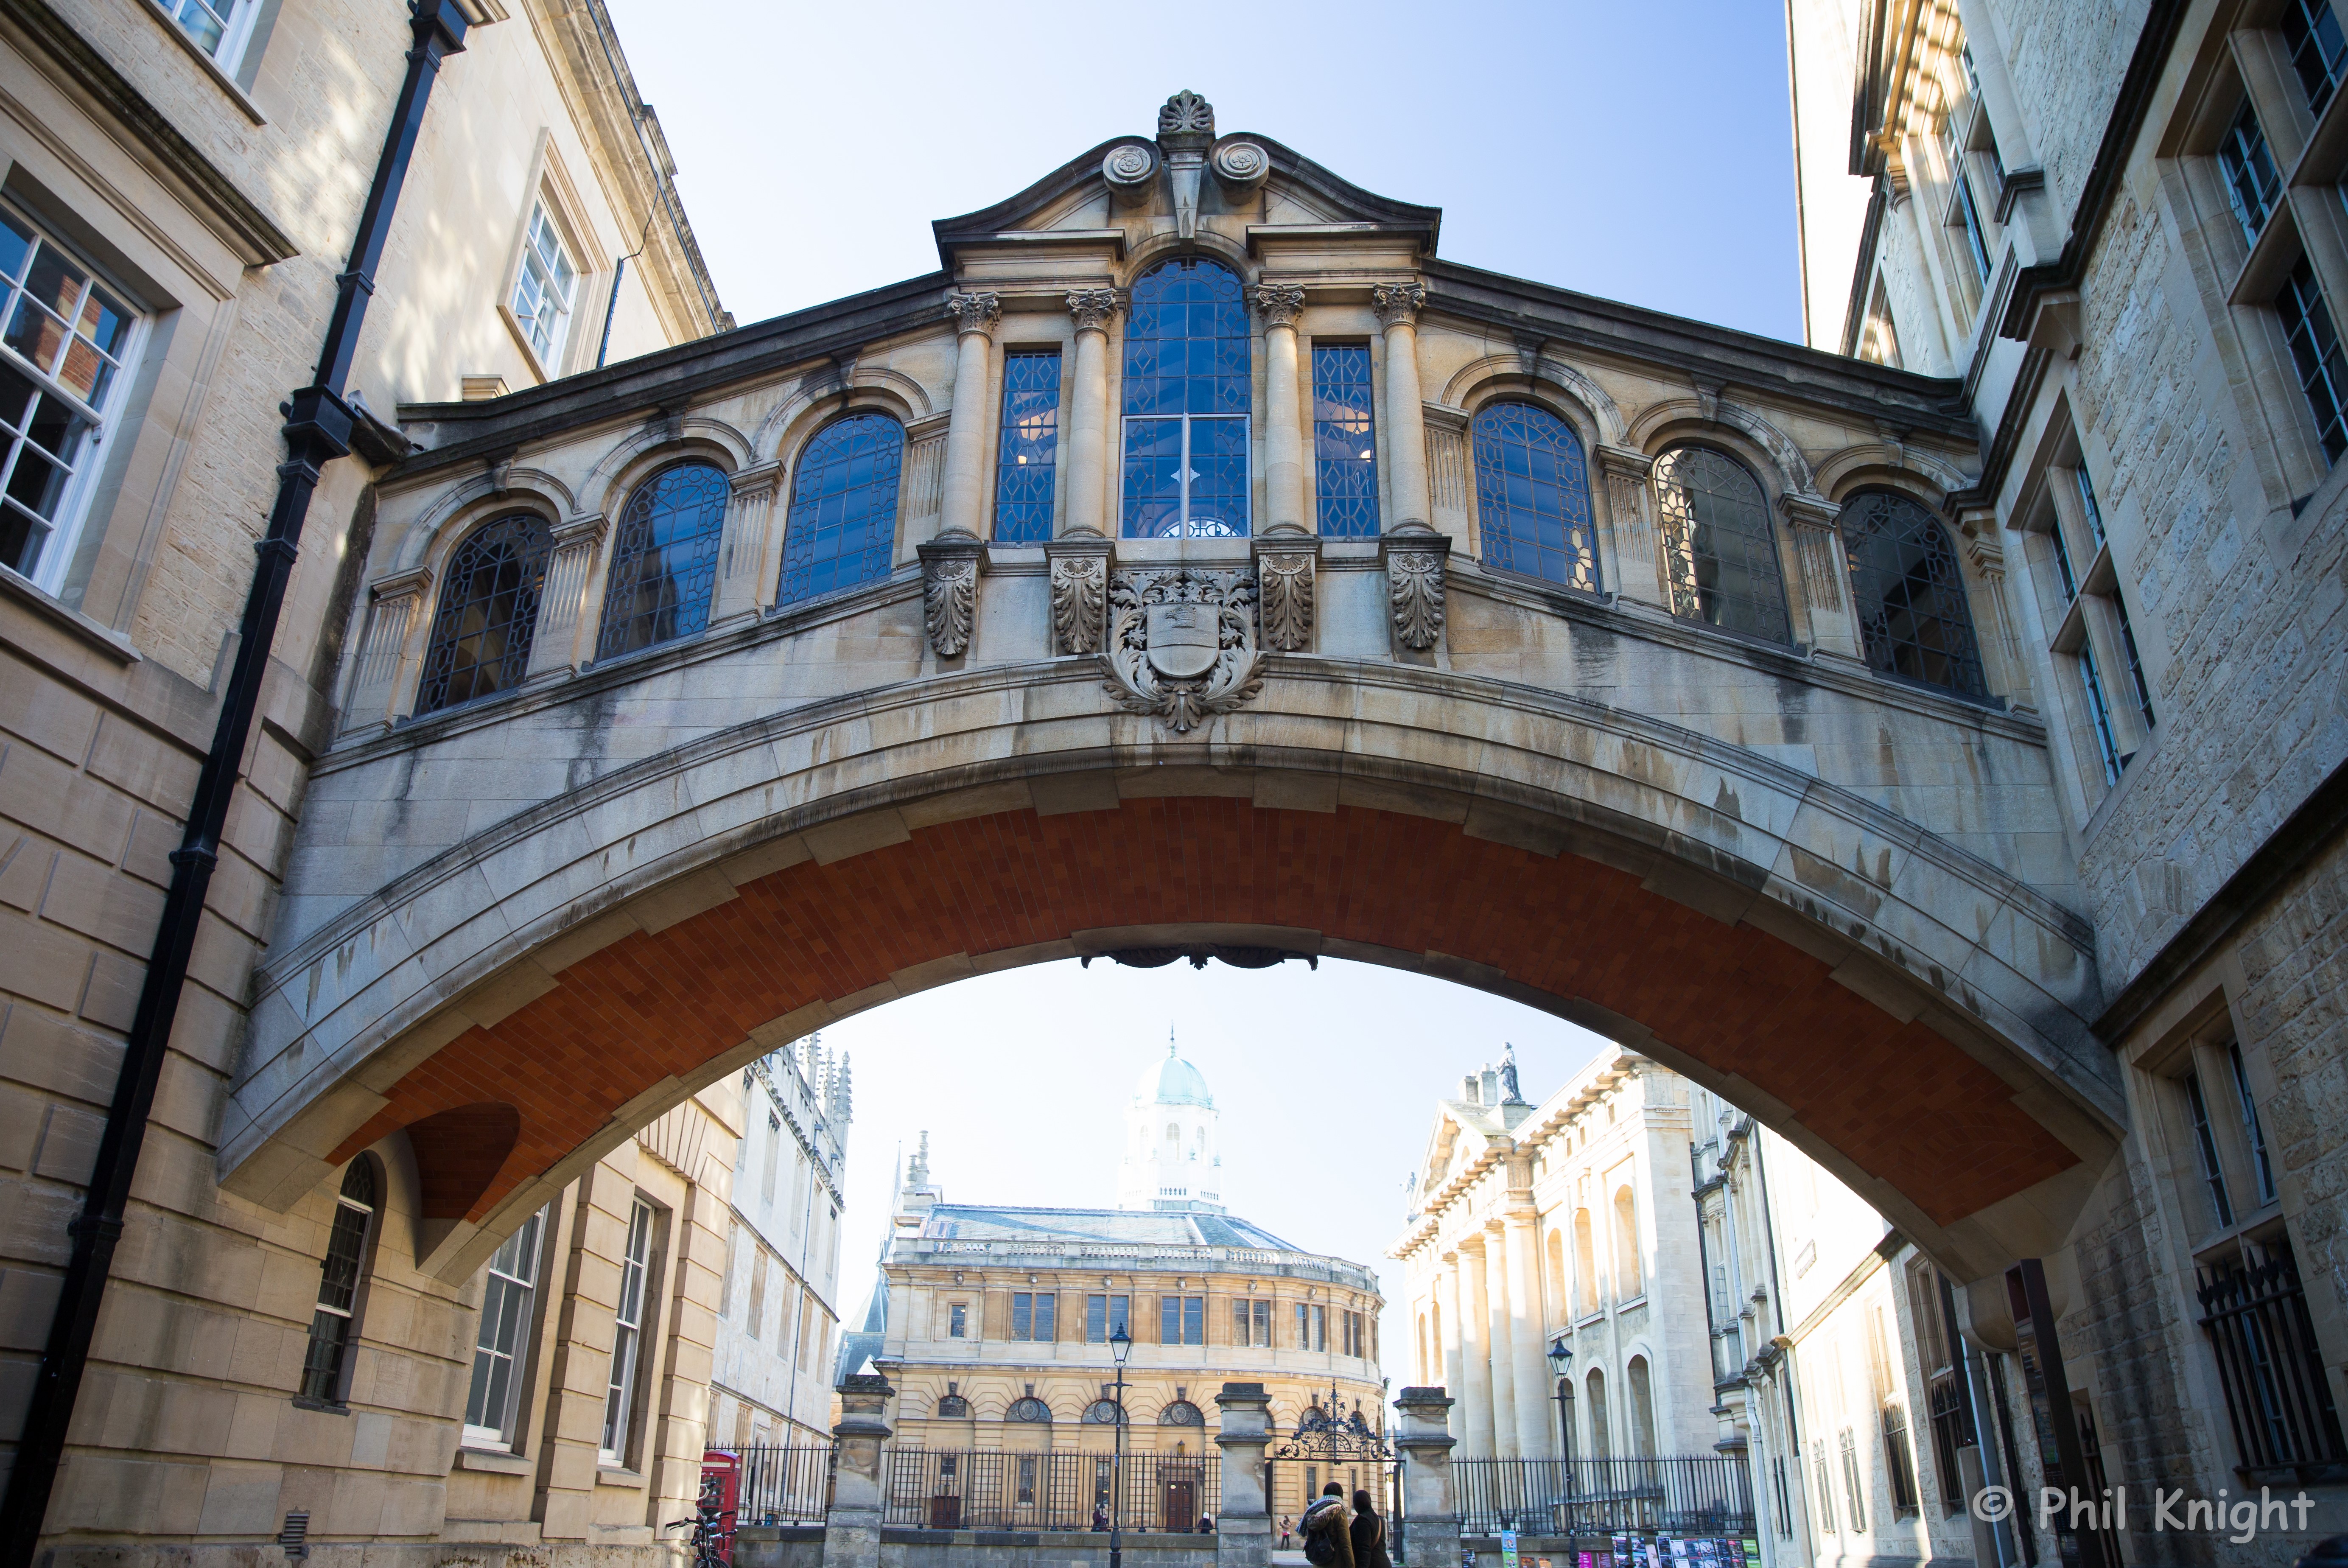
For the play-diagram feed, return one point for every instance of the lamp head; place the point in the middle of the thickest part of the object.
(1121, 1344)
(1561, 1355)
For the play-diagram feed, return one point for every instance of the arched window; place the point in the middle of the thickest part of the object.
(489, 613)
(1643, 1408)
(1719, 551)
(952, 1407)
(1186, 392)
(1532, 495)
(1630, 1280)
(1030, 1408)
(664, 562)
(1102, 1413)
(1181, 1413)
(842, 528)
(1585, 1264)
(334, 1321)
(1910, 596)
(1601, 1440)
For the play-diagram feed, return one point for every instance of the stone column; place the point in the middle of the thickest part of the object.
(1834, 624)
(1087, 512)
(394, 605)
(851, 1526)
(1283, 440)
(1446, 1302)
(744, 578)
(1528, 1367)
(1397, 306)
(1501, 1353)
(1474, 1353)
(1978, 526)
(1630, 511)
(1430, 1515)
(1244, 1521)
(555, 647)
(963, 510)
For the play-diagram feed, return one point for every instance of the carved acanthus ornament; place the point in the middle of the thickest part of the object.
(950, 591)
(1281, 303)
(1079, 577)
(1182, 643)
(1398, 304)
(1415, 557)
(1186, 128)
(978, 313)
(1287, 566)
(1093, 309)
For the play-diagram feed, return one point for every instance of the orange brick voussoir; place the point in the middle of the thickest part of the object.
(1901, 1102)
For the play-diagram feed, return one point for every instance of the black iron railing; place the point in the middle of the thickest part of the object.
(934, 1488)
(1691, 1495)
(2255, 1313)
(784, 1485)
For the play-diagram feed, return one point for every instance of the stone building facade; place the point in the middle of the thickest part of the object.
(1000, 1319)
(2117, 228)
(181, 185)
(779, 1304)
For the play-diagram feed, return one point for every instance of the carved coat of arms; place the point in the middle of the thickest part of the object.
(1182, 643)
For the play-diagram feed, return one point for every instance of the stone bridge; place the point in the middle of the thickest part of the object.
(553, 874)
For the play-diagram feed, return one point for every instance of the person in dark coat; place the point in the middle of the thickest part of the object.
(1328, 1542)
(1369, 1534)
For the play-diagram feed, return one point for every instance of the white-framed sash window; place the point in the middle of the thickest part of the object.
(67, 340)
(220, 28)
(543, 288)
(500, 1355)
(627, 1335)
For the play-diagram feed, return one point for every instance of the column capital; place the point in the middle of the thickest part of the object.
(1627, 461)
(585, 528)
(401, 584)
(1808, 510)
(756, 479)
(977, 312)
(1986, 556)
(1397, 304)
(1092, 308)
(1281, 303)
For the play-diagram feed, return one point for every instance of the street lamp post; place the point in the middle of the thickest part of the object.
(1120, 1345)
(1561, 1361)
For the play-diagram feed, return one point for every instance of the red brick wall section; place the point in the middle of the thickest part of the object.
(458, 1153)
(1899, 1100)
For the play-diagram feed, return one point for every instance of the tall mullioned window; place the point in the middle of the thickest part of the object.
(499, 1359)
(2099, 714)
(2254, 185)
(1027, 456)
(1911, 593)
(1181, 1320)
(487, 617)
(544, 289)
(1532, 495)
(1344, 442)
(2315, 354)
(2318, 49)
(1105, 1314)
(1032, 1314)
(68, 338)
(627, 1335)
(663, 568)
(334, 1321)
(1187, 401)
(842, 528)
(1719, 550)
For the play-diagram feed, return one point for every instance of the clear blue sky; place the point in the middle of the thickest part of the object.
(1643, 154)
(1640, 154)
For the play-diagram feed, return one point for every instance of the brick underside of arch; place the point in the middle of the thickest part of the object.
(1898, 1099)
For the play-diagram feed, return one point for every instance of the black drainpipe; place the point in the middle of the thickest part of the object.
(318, 428)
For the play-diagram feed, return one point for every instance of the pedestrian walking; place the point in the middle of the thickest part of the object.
(1286, 1529)
(1369, 1534)
(1327, 1530)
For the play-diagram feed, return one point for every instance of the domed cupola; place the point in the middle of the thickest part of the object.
(1170, 1160)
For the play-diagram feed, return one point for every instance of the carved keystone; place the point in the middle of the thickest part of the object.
(1415, 557)
(950, 564)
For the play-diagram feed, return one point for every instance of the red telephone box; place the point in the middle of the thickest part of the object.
(721, 1499)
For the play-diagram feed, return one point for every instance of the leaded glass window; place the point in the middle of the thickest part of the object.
(1187, 399)
(2253, 183)
(334, 1321)
(67, 338)
(843, 519)
(665, 563)
(1912, 614)
(489, 613)
(1344, 442)
(1532, 495)
(1719, 550)
(1030, 1408)
(498, 1353)
(1027, 455)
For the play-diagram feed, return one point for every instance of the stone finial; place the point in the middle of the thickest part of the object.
(1281, 303)
(1398, 304)
(1092, 308)
(1186, 122)
(975, 312)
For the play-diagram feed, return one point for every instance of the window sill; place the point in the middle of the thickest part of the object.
(221, 79)
(323, 1407)
(495, 1461)
(109, 643)
(537, 367)
(617, 1475)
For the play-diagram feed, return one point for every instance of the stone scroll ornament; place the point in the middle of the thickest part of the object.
(1287, 598)
(1079, 602)
(950, 592)
(1182, 643)
(1415, 566)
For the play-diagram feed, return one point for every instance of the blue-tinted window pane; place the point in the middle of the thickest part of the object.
(1185, 355)
(1345, 443)
(489, 613)
(1532, 492)
(1719, 550)
(1027, 455)
(1219, 479)
(2252, 184)
(1910, 595)
(664, 562)
(1153, 477)
(2319, 52)
(843, 517)
(2315, 351)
